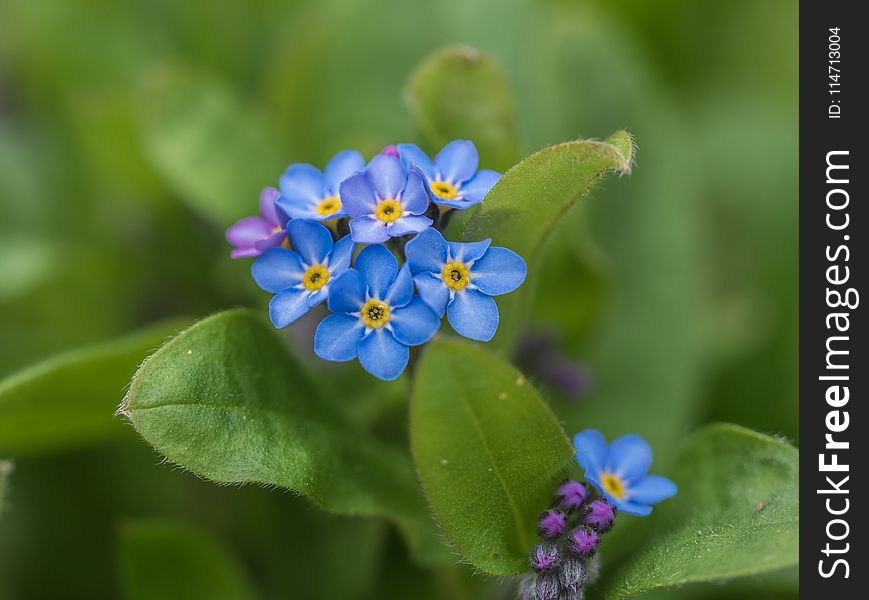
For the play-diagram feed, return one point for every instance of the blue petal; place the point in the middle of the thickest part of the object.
(468, 251)
(277, 269)
(401, 290)
(339, 259)
(415, 323)
(410, 154)
(342, 166)
(433, 291)
(347, 292)
(302, 183)
(498, 271)
(357, 196)
(288, 306)
(368, 230)
(457, 161)
(318, 297)
(382, 355)
(475, 190)
(591, 450)
(427, 252)
(414, 198)
(629, 457)
(473, 315)
(651, 489)
(299, 209)
(632, 508)
(337, 337)
(408, 224)
(386, 176)
(378, 268)
(311, 240)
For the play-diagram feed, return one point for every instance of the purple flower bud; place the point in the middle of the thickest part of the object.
(546, 587)
(391, 150)
(572, 573)
(600, 515)
(583, 541)
(544, 557)
(572, 494)
(552, 523)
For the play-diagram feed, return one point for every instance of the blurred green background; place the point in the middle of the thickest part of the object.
(132, 133)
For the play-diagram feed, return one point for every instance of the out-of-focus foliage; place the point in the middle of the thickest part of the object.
(128, 131)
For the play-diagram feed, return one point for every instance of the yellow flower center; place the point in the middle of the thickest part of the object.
(329, 206)
(445, 190)
(613, 485)
(455, 275)
(316, 277)
(389, 211)
(375, 314)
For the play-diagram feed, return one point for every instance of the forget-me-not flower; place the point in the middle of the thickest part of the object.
(252, 236)
(384, 201)
(376, 316)
(619, 471)
(301, 278)
(461, 278)
(452, 177)
(308, 193)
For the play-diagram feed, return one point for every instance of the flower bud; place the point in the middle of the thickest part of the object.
(546, 587)
(572, 494)
(583, 541)
(600, 515)
(544, 557)
(552, 524)
(572, 573)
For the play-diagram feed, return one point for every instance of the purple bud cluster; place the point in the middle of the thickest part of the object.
(566, 557)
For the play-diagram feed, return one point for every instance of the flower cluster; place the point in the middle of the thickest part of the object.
(571, 530)
(397, 207)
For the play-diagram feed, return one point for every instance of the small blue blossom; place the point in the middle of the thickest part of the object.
(308, 193)
(619, 471)
(452, 177)
(461, 278)
(384, 201)
(376, 316)
(301, 279)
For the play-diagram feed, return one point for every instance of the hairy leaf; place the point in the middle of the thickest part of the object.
(736, 514)
(460, 93)
(488, 452)
(68, 400)
(527, 203)
(174, 561)
(224, 400)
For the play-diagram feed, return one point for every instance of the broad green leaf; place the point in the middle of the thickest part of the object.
(488, 452)
(461, 93)
(736, 514)
(5, 470)
(527, 203)
(224, 400)
(68, 401)
(174, 561)
(213, 151)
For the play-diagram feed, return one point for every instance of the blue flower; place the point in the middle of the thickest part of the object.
(619, 471)
(462, 278)
(301, 279)
(452, 177)
(384, 201)
(307, 193)
(376, 316)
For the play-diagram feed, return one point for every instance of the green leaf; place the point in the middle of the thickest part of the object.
(527, 203)
(213, 151)
(5, 471)
(736, 514)
(488, 452)
(67, 401)
(458, 92)
(224, 400)
(174, 561)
